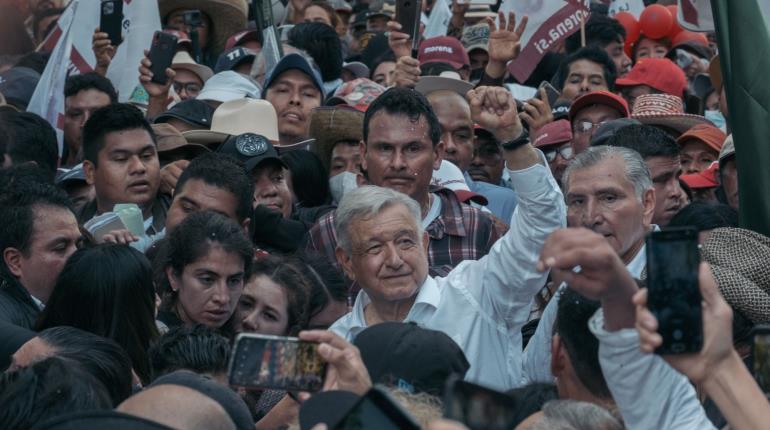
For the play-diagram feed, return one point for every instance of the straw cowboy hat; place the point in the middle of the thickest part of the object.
(237, 117)
(739, 262)
(227, 16)
(184, 61)
(665, 111)
(332, 124)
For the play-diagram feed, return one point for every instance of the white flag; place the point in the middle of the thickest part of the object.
(438, 21)
(634, 7)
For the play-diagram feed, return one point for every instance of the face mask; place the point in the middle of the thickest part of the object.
(717, 118)
(341, 183)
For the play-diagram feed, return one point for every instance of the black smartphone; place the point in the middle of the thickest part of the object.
(161, 55)
(111, 20)
(408, 15)
(673, 293)
(192, 18)
(760, 356)
(276, 362)
(550, 92)
(479, 408)
(376, 410)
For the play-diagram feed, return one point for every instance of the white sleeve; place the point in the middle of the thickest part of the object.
(649, 393)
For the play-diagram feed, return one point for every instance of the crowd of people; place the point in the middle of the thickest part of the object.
(398, 207)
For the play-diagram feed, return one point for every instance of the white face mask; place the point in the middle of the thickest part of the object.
(341, 183)
(717, 118)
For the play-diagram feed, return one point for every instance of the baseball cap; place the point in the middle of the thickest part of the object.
(298, 62)
(18, 84)
(476, 37)
(327, 407)
(409, 356)
(357, 68)
(229, 85)
(658, 73)
(553, 133)
(192, 111)
(704, 179)
(173, 146)
(234, 57)
(250, 149)
(242, 37)
(609, 128)
(560, 109)
(443, 49)
(706, 133)
(387, 10)
(605, 98)
(73, 175)
(358, 94)
(450, 176)
(728, 149)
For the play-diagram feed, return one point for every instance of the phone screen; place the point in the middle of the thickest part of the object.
(760, 357)
(285, 363)
(479, 408)
(376, 410)
(673, 293)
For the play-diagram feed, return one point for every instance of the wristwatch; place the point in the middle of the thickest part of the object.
(520, 141)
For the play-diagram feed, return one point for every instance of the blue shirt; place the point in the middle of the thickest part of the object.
(502, 201)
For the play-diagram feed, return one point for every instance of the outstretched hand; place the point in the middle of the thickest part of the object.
(505, 42)
(104, 51)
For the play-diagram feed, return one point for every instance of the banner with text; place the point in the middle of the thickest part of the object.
(550, 23)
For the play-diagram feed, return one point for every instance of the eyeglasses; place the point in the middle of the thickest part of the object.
(565, 152)
(191, 88)
(586, 126)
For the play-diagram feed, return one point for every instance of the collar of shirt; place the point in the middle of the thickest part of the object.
(451, 219)
(428, 298)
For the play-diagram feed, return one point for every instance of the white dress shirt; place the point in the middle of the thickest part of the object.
(648, 392)
(483, 304)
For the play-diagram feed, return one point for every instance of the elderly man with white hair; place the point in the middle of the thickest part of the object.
(482, 304)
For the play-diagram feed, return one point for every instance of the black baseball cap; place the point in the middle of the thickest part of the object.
(560, 110)
(609, 128)
(410, 357)
(18, 84)
(250, 149)
(327, 407)
(233, 57)
(192, 111)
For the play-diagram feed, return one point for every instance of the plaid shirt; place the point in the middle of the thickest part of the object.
(459, 233)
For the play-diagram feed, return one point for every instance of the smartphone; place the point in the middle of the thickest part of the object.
(111, 20)
(479, 408)
(408, 15)
(551, 93)
(275, 362)
(263, 14)
(161, 55)
(376, 410)
(192, 18)
(760, 356)
(673, 293)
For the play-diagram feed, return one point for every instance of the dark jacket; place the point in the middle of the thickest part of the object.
(16, 305)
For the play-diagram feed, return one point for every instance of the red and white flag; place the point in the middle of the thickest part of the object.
(71, 54)
(550, 23)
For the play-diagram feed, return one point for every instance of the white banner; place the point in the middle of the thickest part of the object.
(550, 23)
(438, 21)
(634, 7)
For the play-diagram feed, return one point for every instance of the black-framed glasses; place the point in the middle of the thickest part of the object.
(191, 88)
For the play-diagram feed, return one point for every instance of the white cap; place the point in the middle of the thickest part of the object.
(229, 85)
(449, 176)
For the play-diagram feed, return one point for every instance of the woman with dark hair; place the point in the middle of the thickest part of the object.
(274, 300)
(308, 179)
(207, 260)
(328, 294)
(107, 290)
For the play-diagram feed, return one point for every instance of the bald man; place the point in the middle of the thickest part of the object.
(178, 407)
(454, 115)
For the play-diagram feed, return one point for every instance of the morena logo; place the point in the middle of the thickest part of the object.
(432, 49)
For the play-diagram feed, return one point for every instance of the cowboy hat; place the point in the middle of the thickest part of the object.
(184, 61)
(227, 16)
(665, 111)
(237, 117)
(738, 260)
(332, 124)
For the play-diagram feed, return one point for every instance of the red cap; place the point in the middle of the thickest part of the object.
(605, 98)
(443, 49)
(659, 73)
(706, 133)
(358, 93)
(242, 37)
(704, 179)
(181, 37)
(552, 133)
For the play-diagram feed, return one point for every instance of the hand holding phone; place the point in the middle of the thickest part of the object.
(408, 15)
(673, 293)
(275, 362)
(161, 55)
(111, 20)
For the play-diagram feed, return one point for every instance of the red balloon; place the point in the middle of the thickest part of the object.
(675, 28)
(630, 24)
(656, 21)
(690, 36)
